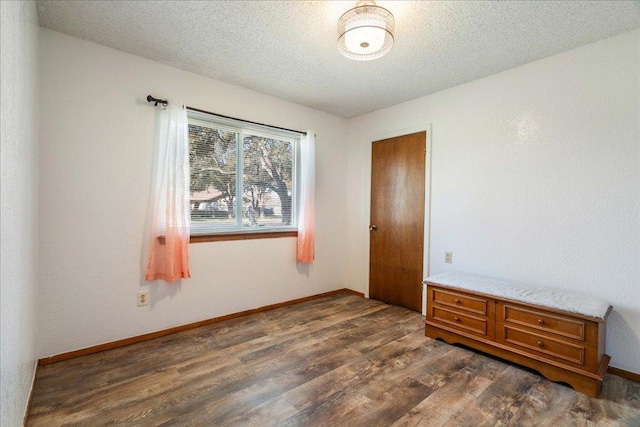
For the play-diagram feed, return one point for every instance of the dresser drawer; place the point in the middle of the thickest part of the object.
(535, 343)
(460, 301)
(463, 322)
(543, 321)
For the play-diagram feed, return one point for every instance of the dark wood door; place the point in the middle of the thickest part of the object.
(397, 220)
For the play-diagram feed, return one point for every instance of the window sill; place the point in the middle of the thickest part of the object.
(221, 237)
(200, 238)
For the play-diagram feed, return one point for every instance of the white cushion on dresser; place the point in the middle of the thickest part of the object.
(563, 300)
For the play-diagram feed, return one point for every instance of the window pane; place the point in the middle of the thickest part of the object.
(267, 182)
(212, 155)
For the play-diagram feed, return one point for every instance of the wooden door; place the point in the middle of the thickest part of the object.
(397, 220)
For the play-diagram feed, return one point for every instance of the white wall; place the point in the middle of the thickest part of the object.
(535, 178)
(18, 206)
(95, 169)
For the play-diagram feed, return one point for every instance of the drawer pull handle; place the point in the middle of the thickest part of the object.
(457, 301)
(457, 319)
(540, 321)
(540, 344)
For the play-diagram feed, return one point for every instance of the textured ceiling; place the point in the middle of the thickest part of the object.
(288, 48)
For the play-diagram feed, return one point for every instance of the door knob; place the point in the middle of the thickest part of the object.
(373, 227)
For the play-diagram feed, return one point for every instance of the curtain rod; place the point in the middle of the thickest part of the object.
(164, 102)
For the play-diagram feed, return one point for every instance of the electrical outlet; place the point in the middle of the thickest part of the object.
(448, 257)
(143, 298)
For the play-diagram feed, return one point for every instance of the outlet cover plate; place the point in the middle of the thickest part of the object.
(143, 298)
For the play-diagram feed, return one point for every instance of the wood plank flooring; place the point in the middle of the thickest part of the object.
(340, 360)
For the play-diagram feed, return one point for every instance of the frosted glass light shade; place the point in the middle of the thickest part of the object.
(365, 32)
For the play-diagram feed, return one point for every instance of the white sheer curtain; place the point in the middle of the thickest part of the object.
(306, 223)
(169, 255)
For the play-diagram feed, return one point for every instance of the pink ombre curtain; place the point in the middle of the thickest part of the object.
(169, 256)
(306, 223)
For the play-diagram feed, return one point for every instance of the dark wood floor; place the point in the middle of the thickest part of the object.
(340, 360)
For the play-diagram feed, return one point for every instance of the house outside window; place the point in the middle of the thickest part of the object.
(243, 176)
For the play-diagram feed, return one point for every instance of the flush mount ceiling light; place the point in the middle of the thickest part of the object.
(365, 32)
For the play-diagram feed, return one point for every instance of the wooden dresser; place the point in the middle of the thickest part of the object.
(561, 345)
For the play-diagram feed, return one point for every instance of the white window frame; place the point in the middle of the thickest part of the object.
(240, 128)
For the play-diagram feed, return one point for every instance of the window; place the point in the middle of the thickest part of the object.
(243, 176)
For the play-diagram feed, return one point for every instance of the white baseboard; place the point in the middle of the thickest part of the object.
(30, 398)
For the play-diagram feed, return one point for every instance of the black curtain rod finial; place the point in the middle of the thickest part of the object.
(157, 101)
